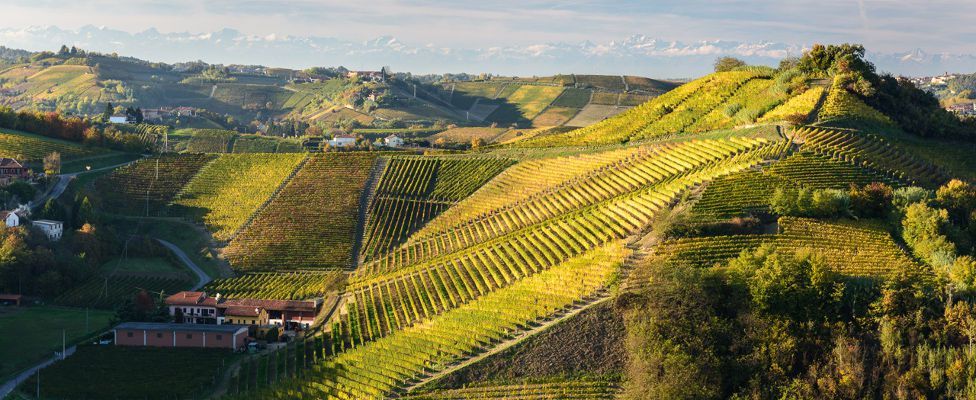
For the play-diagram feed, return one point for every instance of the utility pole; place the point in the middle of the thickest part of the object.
(63, 337)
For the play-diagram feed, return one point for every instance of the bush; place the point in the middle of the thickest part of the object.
(871, 201)
(810, 203)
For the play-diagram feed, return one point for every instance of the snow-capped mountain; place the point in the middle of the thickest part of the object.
(636, 55)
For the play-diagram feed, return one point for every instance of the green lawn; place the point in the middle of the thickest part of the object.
(182, 235)
(31, 334)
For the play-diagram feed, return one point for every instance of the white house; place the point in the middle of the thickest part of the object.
(393, 141)
(343, 141)
(10, 218)
(51, 229)
(118, 119)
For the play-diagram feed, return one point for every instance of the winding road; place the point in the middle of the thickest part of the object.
(202, 277)
(56, 191)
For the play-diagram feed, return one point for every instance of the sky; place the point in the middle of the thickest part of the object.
(935, 26)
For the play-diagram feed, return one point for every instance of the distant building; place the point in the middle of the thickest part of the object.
(393, 141)
(184, 112)
(198, 308)
(180, 335)
(52, 229)
(11, 299)
(152, 114)
(10, 218)
(343, 141)
(11, 169)
(119, 119)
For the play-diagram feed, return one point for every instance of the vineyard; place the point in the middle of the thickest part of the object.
(602, 188)
(736, 194)
(414, 190)
(670, 113)
(873, 152)
(28, 147)
(147, 186)
(210, 141)
(821, 172)
(139, 372)
(804, 105)
(300, 285)
(524, 240)
(842, 104)
(576, 389)
(111, 291)
(228, 190)
(311, 223)
(865, 250)
(373, 370)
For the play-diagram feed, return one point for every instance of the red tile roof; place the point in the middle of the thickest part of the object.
(10, 163)
(238, 311)
(185, 298)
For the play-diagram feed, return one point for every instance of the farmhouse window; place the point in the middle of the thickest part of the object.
(220, 337)
(159, 335)
(189, 336)
(128, 334)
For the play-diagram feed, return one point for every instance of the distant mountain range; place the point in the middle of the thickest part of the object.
(636, 55)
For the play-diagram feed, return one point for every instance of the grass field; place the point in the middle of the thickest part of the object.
(31, 334)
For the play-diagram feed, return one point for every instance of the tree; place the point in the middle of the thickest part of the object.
(725, 64)
(52, 163)
(109, 111)
(85, 214)
(52, 210)
(313, 130)
(476, 143)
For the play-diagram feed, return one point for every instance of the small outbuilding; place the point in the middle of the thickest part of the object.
(154, 334)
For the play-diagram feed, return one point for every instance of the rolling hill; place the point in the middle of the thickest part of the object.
(754, 233)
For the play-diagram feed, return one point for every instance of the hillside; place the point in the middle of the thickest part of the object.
(754, 233)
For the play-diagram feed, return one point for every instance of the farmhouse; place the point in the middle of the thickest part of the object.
(343, 141)
(10, 218)
(51, 229)
(393, 141)
(11, 169)
(198, 308)
(180, 335)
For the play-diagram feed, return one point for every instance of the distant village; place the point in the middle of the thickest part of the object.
(939, 83)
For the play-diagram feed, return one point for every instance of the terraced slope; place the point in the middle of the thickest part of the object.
(872, 151)
(816, 171)
(311, 223)
(414, 190)
(652, 166)
(539, 235)
(524, 179)
(380, 368)
(736, 194)
(576, 389)
(804, 105)
(844, 105)
(670, 113)
(225, 193)
(110, 292)
(147, 186)
(850, 247)
(278, 286)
